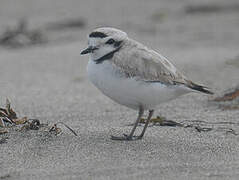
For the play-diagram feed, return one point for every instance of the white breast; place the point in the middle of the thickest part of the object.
(128, 91)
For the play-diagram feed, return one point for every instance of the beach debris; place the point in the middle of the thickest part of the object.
(57, 130)
(32, 124)
(21, 36)
(9, 121)
(229, 96)
(20, 120)
(204, 126)
(198, 125)
(229, 100)
(3, 131)
(3, 140)
(230, 131)
(7, 115)
(161, 121)
(4, 121)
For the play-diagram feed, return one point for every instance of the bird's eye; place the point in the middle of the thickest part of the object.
(110, 41)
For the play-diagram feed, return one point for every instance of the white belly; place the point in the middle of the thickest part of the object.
(128, 91)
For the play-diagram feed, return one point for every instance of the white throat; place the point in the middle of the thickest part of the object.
(102, 50)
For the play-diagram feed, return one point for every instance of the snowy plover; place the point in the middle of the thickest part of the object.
(133, 75)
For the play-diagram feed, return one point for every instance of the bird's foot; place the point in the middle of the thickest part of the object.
(126, 138)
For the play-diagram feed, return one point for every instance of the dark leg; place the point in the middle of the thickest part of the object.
(146, 124)
(130, 136)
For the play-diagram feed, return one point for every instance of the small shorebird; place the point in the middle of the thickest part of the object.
(133, 75)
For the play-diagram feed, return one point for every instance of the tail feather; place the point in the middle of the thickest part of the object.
(200, 88)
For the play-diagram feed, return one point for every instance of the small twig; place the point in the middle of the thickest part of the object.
(228, 130)
(200, 121)
(201, 129)
(35, 124)
(54, 127)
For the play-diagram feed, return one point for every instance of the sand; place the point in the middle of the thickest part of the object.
(49, 82)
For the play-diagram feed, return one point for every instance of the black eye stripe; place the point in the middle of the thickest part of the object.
(110, 41)
(117, 43)
(97, 35)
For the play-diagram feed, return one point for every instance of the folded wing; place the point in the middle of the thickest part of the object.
(144, 64)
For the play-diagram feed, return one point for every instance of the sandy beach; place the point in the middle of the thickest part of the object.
(49, 82)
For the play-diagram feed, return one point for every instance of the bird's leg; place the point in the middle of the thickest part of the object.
(146, 124)
(130, 136)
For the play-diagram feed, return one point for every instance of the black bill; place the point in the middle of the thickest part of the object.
(88, 50)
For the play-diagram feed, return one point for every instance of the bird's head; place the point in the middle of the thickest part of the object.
(104, 41)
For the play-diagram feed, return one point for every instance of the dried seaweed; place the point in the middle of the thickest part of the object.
(229, 96)
(54, 129)
(229, 100)
(58, 130)
(198, 125)
(9, 120)
(7, 115)
(160, 121)
(3, 131)
(3, 140)
(32, 124)
(204, 126)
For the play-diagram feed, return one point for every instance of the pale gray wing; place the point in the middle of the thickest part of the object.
(147, 65)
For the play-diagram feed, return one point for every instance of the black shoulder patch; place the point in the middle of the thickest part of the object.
(97, 35)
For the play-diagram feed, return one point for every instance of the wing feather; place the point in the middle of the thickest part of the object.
(147, 65)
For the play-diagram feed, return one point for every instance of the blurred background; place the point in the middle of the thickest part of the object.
(40, 41)
(183, 23)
